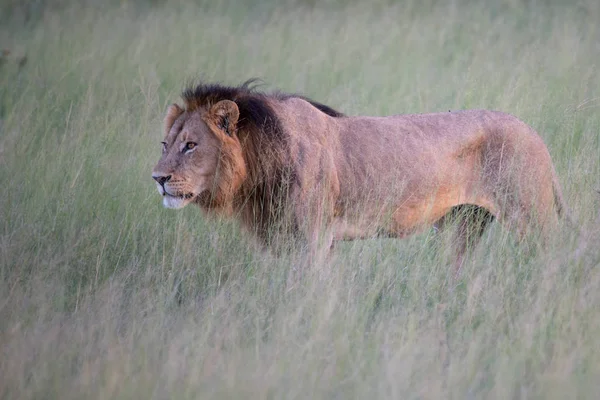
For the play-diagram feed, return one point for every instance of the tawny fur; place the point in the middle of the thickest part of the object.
(279, 160)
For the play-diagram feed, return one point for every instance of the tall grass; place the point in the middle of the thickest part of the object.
(104, 294)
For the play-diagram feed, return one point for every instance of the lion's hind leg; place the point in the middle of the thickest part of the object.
(468, 223)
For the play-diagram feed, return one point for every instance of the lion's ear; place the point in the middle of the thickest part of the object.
(225, 114)
(173, 112)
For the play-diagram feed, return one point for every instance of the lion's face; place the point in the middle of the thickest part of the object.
(194, 145)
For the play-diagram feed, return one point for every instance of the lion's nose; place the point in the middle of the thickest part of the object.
(161, 179)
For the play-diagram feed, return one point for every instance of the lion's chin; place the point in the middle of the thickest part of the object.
(175, 202)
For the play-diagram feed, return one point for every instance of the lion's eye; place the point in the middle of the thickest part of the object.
(189, 146)
(164, 146)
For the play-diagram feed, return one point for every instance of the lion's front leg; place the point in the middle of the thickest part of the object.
(313, 212)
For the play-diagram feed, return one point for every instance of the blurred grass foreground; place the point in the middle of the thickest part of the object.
(105, 294)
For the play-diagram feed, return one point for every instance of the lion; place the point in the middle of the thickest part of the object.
(281, 162)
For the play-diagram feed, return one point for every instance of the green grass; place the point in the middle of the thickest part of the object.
(105, 294)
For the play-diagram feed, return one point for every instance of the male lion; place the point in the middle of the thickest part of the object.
(279, 161)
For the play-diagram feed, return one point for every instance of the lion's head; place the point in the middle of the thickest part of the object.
(202, 158)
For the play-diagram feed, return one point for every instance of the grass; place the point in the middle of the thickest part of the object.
(105, 294)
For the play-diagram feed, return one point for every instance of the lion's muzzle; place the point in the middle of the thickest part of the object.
(171, 198)
(161, 179)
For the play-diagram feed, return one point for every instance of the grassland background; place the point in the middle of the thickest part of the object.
(104, 294)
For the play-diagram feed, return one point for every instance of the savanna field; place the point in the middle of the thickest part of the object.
(106, 294)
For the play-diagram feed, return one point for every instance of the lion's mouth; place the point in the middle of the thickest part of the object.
(184, 196)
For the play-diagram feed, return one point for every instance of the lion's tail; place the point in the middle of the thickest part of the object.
(559, 201)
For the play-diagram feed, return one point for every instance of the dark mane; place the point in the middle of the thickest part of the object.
(264, 145)
(255, 112)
